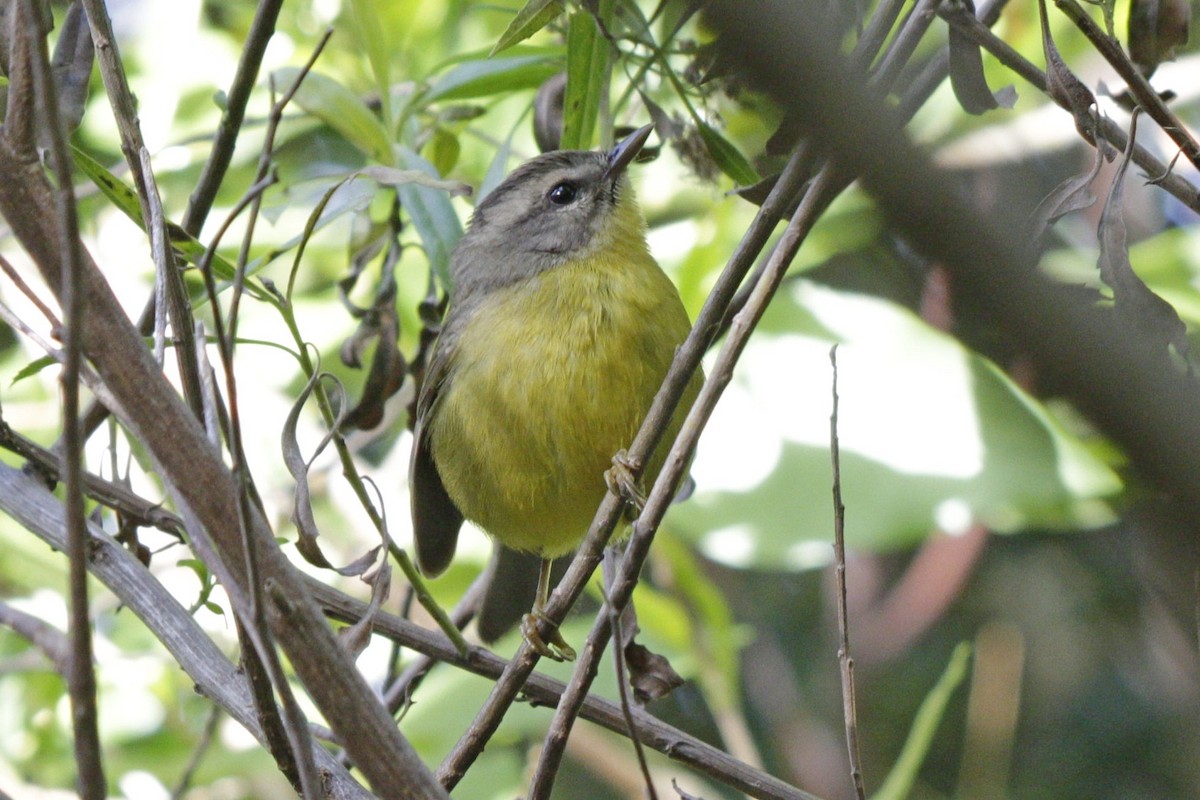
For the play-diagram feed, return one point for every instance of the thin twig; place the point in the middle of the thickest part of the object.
(827, 180)
(11, 272)
(1178, 186)
(41, 634)
(845, 661)
(124, 108)
(614, 620)
(107, 493)
(1138, 86)
(687, 360)
(30, 504)
(205, 494)
(237, 98)
(81, 678)
(198, 753)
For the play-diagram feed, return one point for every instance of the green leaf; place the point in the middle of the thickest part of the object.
(485, 78)
(374, 40)
(933, 437)
(125, 198)
(536, 15)
(587, 70)
(432, 215)
(904, 772)
(442, 151)
(727, 157)
(117, 191)
(34, 367)
(342, 110)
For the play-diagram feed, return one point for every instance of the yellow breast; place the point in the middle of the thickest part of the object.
(552, 377)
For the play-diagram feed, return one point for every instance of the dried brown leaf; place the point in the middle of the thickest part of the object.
(1133, 301)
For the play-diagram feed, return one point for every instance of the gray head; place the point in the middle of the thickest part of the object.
(553, 208)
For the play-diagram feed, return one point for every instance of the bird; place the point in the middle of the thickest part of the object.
(560, 329)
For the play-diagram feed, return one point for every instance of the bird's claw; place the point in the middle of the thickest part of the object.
(623, 481)
(556, 648)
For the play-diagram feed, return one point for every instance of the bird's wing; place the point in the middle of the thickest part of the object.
(436, 519)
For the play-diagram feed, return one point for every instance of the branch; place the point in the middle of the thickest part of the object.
(1122, 380)
(587, 558)
(204, 491)
(221, 155)
(1139, 87)
(124, 108)
(545, 691)
(81, 677)
(32, 505)
(845, 662)
(1178, 186)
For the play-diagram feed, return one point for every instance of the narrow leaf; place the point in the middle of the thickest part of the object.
(904, 772)
(432, 215)
(298, 466)
(1133, 300)
(727, 157)
(587, 71)
(342, 110)
(126, 200)
(374, 40)
(1073, 194)
(536, 15)
(485, 78)
(34, 367)
(966, 72)
(390, 176)
(1068, 90)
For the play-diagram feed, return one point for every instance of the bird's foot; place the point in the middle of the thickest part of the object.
(623, 481)
(557, 647)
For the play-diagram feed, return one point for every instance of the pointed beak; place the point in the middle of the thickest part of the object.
(626, 151)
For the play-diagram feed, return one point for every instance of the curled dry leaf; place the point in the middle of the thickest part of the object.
(388, 365)
(1133, 301)
(1069, 91)
(1156, 28)
(966, 72)
(650, 674)
(356, 637)
(1073, 194)
(298, 466)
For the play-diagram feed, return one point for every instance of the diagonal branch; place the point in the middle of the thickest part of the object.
(204, 492)
(1116, 375)
(32, 505)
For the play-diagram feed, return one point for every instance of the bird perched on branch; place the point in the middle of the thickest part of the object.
(560, 330)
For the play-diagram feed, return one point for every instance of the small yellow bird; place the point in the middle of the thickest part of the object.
(560, 330)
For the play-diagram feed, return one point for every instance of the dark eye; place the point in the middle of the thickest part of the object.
(563, 193)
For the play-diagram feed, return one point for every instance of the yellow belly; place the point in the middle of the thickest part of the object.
(551, 378)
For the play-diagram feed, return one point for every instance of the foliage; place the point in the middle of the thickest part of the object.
(317, 282)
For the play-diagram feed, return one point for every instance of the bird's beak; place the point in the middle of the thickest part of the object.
(626, 151)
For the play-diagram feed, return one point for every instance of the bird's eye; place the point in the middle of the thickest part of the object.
(563, 193)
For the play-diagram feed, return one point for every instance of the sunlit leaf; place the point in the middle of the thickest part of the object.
(587, 71)
(535, 15)
(342, 110)
(432, 215)
(488, 77)
(126, 200)
(373, 39)
(953, 439)
(34, 367)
